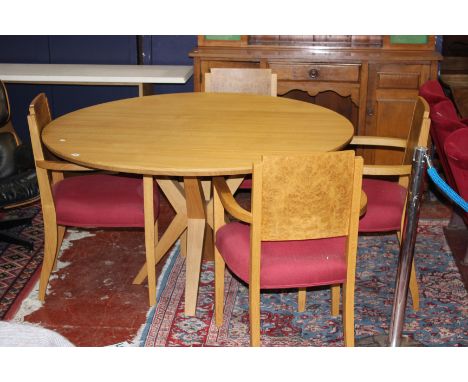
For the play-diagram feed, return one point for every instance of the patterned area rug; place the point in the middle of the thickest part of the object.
(441, 321)
(18, 264)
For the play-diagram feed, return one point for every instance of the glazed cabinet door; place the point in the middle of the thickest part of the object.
(392, 93)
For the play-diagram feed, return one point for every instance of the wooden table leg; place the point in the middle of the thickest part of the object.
(175, 196)
(196, 220)
(149, 236)
(193, 212)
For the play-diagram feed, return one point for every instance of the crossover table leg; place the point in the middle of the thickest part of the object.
(196, 220)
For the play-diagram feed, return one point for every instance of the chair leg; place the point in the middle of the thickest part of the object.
(60, 235)
(413, 287)
(335, 299)
(50, 250)
(220, 266)
(348, 313)
(301, 299)
(254, 313)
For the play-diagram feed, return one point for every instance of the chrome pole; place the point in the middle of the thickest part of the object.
(408, 240)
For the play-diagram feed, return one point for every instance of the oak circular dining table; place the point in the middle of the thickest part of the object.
(193, 136)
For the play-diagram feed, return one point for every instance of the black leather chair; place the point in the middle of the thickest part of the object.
(18, 182)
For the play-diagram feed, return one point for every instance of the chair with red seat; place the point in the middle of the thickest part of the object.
(386, 199)
(242, 80)
(444, 121)
(456, 148)
(302, 233)
(91, 200)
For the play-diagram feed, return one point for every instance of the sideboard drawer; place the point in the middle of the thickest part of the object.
(316, 72)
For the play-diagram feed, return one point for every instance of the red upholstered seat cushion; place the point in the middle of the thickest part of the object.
(284, 264)
(100, 200)
(432, 92)
(385, 204)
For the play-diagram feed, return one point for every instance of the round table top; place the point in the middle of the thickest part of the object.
(194, 134)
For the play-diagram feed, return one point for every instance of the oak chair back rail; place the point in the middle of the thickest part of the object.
(241, 80)
(322, 200)
(313, 203)
(38, 118)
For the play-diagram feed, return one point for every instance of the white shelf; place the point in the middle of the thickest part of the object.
(90, 74)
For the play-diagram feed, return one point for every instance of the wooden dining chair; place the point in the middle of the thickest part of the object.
(241, 80)
(386, 199)
(301, 233)
(90, 200)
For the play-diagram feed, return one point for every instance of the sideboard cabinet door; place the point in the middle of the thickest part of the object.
(392, 93)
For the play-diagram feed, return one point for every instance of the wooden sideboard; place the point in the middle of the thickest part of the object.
(371, 81)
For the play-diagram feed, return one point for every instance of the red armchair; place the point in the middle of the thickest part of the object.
(456, 148)
(444, 121)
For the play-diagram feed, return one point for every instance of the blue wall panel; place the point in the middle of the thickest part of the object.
(87, 50)
(93, 50)
(119, 50)
(173, 50)
(24, 49)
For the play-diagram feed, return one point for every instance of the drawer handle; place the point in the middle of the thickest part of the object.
(313, 73)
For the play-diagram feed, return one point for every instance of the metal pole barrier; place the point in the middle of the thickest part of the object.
(408, 241)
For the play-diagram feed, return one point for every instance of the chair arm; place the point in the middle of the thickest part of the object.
(386, 169)
(61, 166)
(367, 140)
(229, 203)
